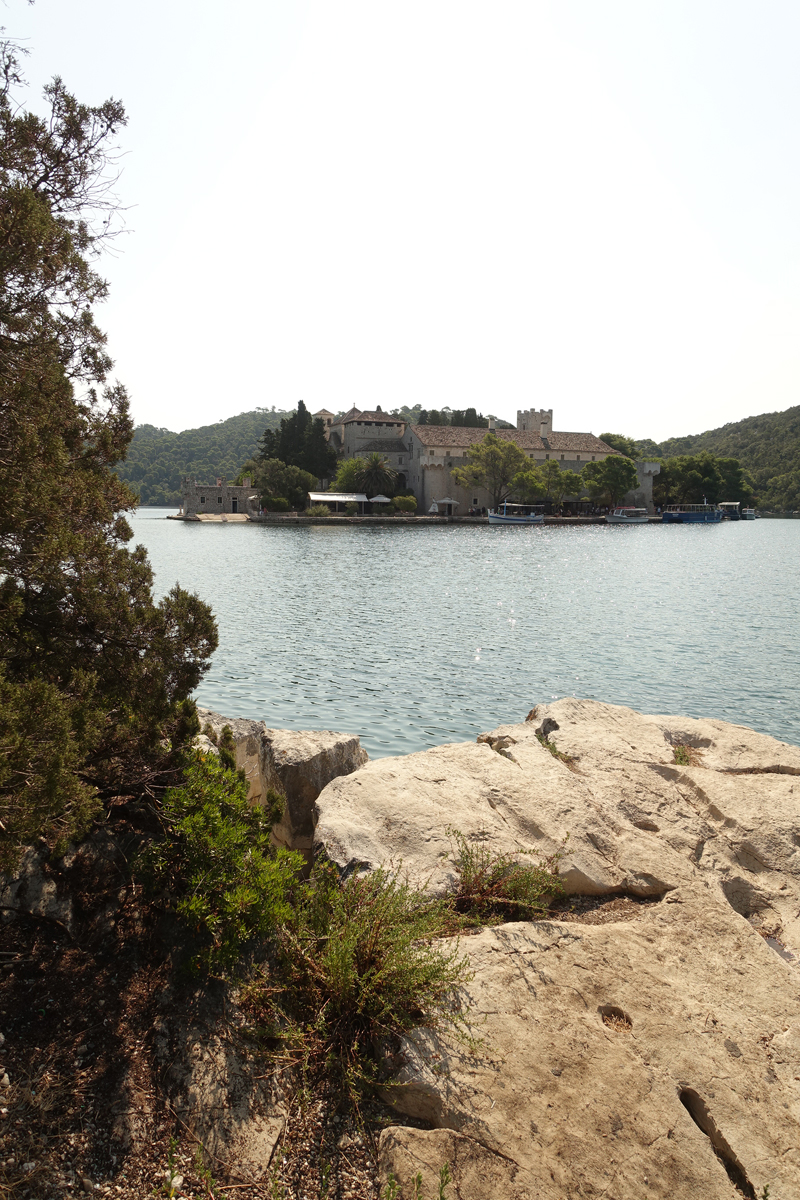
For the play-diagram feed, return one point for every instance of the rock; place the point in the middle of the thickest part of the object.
(229, 1103)
(657, 1053)
(31, 888)
(297, 763)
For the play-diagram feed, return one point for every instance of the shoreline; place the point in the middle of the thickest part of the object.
(342, 519)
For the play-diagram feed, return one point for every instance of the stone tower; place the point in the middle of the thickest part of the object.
(536, 420)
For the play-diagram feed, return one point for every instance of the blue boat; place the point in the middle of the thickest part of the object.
(691, 514)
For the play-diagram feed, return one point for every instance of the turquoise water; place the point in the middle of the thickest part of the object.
(411, 637)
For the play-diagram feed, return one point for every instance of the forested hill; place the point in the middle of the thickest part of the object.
(158, 459)
(768, 446)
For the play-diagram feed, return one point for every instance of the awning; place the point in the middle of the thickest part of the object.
(339, 497)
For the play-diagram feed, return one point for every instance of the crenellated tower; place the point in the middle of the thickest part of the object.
(535, 420)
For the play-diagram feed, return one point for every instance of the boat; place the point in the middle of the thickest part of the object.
(748, 514)
(691, 514)
(731, 510)
(628, 516)
(517, 514)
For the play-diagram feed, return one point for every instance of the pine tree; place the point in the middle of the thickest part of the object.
(92, 671)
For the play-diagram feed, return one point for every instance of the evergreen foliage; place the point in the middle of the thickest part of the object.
(610, 479)
(467, 418)
(697, 477)
(220, 874)
(766, 446)
(93, 673)
(493, 464)
(300, 442)
(158, 460)
(348, 476)
(376, 475)
(276, 481)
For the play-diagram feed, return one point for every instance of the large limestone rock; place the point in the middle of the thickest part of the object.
(653, 1053)
(299, 764)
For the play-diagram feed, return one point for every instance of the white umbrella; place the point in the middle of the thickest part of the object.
(380, 500)
(447, 500)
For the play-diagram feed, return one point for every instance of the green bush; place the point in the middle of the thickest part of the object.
(357, 968)
(405, 504)
(275, 503)
(318, 510)
(221, 876)
(499, 887)
(351, 508)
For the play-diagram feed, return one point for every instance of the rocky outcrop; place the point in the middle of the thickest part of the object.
(297, 763)
(650, 1048)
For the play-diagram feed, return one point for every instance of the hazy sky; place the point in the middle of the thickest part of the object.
(589, 205)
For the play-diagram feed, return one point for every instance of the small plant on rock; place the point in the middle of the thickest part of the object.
(355, 968)
(499, 887)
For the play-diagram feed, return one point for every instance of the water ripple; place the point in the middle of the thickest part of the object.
(415, 636)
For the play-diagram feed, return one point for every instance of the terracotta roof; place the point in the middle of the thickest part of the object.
(458, 436)
(384, 445)
(355, 415)
(350, 415)
(323, 412)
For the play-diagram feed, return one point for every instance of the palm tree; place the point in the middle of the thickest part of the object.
(377, 475)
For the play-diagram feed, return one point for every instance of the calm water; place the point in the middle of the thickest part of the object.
(415, 636)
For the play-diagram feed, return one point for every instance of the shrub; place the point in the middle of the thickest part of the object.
(356, 967)
(222, 878)
(351, 508)
(318, 510)
(498, 887)
(275, 503)
(405, 504)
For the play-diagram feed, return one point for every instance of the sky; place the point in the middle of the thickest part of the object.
(584, 205)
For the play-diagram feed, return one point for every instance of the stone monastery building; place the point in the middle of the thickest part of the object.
(423, 455)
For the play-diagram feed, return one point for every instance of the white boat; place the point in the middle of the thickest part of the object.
(748, 514)
(517, 514)
(628, 516)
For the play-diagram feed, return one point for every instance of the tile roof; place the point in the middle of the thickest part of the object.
(355, 415)
(458, 436)
(384, 445)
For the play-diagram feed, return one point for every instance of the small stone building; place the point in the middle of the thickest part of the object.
(219, 497)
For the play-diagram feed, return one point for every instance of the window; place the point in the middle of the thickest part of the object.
(219, 499)
(562, 457)
(577, 458)
(202, 498)
(431, 453)
(400, 460)
(592, 458)
(547, 455)
(474, 499)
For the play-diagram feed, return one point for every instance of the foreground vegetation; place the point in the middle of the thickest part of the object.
(340, 967)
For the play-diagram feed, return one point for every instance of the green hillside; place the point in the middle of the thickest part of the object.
(767, 446)
(158, 459)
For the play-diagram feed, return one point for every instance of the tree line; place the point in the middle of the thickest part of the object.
(690, 478)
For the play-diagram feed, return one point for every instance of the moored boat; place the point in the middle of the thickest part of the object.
(517, 514)
(748, 514)
(627, 516)
(691, 514)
